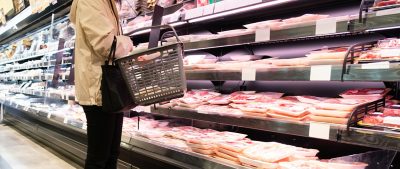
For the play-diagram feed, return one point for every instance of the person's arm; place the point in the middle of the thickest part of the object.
(98, 29)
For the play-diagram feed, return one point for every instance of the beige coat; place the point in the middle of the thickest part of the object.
(96, 25)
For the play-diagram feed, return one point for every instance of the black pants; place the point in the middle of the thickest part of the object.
(104, 138)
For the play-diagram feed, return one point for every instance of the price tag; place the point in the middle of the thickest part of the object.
(84, 126)
(249, 74)
(220, 6)
(175, 17)
(147, 109)
(319, 130)
(48, 115)
(26, 108)
(208, 9)
(320, 73)
(388, 12)
(263, 35)
(194, 13)
(65, 120)
(378, 65)
(325, 26)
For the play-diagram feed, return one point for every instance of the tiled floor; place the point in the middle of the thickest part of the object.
(19, 152)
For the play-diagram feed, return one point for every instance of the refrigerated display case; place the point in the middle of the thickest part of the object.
(235, 47)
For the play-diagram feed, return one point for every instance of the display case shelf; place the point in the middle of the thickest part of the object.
(337, 133)
(37, 77)
(43, 93)
(44, 64)
(356, 72)
(140, 145)
(32, 56)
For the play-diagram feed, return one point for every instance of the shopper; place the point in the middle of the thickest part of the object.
(97, 23)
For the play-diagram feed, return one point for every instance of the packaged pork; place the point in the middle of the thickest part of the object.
(328, 53)
(341, 104)
(290, 109)
(330, 113)
(383, 3)
(220, 100)
(257, 97)
(366, 93)
(311, 99)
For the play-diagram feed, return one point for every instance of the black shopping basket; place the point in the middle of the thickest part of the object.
(159, 78)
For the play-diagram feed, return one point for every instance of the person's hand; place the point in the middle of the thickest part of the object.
(124, 46)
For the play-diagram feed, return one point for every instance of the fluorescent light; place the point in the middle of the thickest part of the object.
(239, 10)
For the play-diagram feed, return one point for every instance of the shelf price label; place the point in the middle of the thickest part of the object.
(319, 130)
(377, 65)
(48, 115)
(249, 74)
(320, 73)
(388, 12)
(325, 26)
(194, 13)
(65, 120)
(263, 35)
(208, 9)
(84, 126)
(175, 17)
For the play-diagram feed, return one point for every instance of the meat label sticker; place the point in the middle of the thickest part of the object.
(65, 120)
(174, 17)
(325, 26)
(249, 74)
(377, 65)
(319, 130)
(194, 13)
(208, 9)
(84, 126)
(48, 115)
(388, 12)
(263, 35)
(320, 73)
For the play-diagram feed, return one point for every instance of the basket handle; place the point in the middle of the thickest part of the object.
(158, 26)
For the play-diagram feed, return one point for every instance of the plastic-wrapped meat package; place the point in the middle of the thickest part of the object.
(268, 152)
(381, 3)
(311, 99)
(247, 98)
(255, 107)
(220, 100)
(326, 119)
(336, 53)
(165, 3)
(303, 61)
(373, 119)
(393, 110)
(291, 109)
(368, 93)
(341, 104)
(172, 142)
(330, 113)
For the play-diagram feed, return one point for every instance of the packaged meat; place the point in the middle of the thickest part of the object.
(382, 3)
(268, 152)
(312, 62)
(202, 151)
(393, 110)
(226, 156)
(245, 58)
(255, 114)
(258, 97)
(335, 53)
(373, 119)
(289, 109)
(368, 93)
(220, 100)
(272, 24)
(341, 104)
(228, 152)
(329, 113)
(311, 99)
(290, 62)
(257, 163)
(192, 106)
(255, 107)
(324, 119)
(298, 157)
(279, 116)
(391, 121)
(305, 152)
(201, 146)
(235, 146)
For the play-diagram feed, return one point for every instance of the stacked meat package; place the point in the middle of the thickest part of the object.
(229, 147)
(273, 105)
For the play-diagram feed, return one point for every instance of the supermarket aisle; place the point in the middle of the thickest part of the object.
(19, 152)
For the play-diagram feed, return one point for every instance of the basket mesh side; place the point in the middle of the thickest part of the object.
(158, 80)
